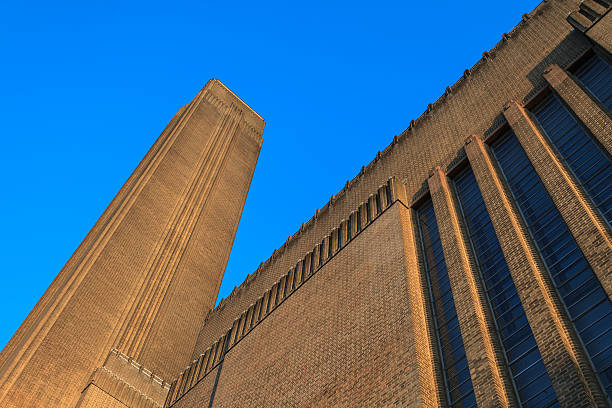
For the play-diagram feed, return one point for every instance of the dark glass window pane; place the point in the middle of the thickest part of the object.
(582, 154)
(517, 339)
(454, 362)
(578, 287)
(596, 75)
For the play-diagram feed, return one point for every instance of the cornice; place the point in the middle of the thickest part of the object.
(220, 96)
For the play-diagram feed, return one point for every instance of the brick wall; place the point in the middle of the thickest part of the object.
(518, 69)
(343, 338)
(148, 271)
(474, 105)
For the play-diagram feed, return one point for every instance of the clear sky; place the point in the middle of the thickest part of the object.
(86, 87)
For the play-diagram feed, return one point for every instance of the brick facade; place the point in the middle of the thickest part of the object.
(480, 104)
(151, 267)
(341, 314)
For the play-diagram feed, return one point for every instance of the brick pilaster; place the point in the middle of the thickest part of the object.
(565, 361)
(590, 112)
(492, 385)
(582, 218)
(427, 355)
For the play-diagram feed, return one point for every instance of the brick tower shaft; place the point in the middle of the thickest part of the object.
(149, 270)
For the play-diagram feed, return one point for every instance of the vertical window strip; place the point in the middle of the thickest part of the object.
(585, 158)
(310, 265)
(321, 249)
(596, 76)
(349, 226)
(587, 304)
(456, 373)
(529, 374)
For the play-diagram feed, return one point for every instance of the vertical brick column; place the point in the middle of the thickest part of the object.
(427, 355)
(144, 277)
(561, 352)
(492, 385)
(372, 203)
(590, 112)
(583, 220)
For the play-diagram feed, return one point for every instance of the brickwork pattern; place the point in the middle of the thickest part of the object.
(305, 268)
(588, 110)
(95, 397)
(124, 379)
(338, 315)
(105, 388)
(355, 329)
(578, 211)
(600, 32)
(427, 356)
(145, 275)
(492, 385)
(473, 105)
(552, 329)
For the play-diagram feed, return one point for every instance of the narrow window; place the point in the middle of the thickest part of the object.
(378, 206)
(348, 228)
(359, 215)
(312, 254)
(585, 300)
(368, 211)
(285, 284)
(261, 308)
(321, 254)
(532, 382)
(456, 373)
(276, 293)
(268, 304)
(590, 164)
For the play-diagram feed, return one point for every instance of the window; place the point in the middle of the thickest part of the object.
(585, 300)
(531, 380)
(596, 75)
(460, 392)
(349, 227)
(589, 163)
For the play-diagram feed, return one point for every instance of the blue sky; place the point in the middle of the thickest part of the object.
(86, 87)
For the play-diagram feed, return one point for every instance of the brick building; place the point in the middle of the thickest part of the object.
(468, 264)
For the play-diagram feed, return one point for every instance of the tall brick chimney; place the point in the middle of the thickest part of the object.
(149, 270)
